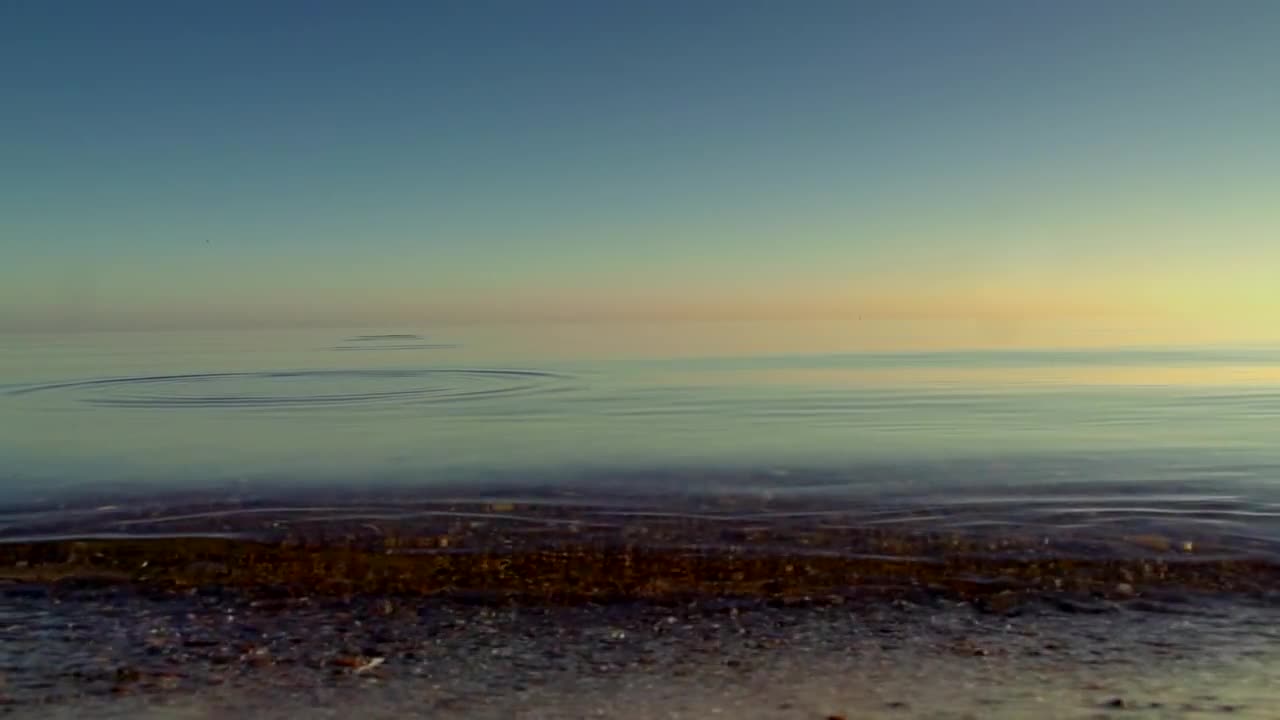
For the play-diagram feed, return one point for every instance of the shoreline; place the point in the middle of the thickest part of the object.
(549, 610)
(547, 552)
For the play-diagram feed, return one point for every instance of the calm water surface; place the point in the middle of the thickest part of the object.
(1178, 435)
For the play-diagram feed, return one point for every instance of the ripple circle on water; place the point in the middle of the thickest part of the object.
(305, 388)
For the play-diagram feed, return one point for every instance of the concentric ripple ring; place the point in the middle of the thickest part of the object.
(295, 388)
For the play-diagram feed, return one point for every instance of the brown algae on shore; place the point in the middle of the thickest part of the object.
(554, 554)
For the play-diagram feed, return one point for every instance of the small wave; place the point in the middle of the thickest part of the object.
(1102, 516)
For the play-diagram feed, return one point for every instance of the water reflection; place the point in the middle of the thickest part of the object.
(190, 412)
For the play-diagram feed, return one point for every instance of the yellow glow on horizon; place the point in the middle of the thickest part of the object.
(1012, 377)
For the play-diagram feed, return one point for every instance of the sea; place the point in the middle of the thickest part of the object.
(1188, 435)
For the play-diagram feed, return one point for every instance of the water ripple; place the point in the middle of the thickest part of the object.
(303, 388)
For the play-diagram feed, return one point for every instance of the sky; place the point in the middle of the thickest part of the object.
(1040, 164)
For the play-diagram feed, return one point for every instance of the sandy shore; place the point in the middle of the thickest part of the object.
(109, 653)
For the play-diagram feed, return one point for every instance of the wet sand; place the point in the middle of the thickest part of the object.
(552, 609)
(112, 653)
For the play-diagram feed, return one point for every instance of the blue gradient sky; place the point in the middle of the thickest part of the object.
(183, 164)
